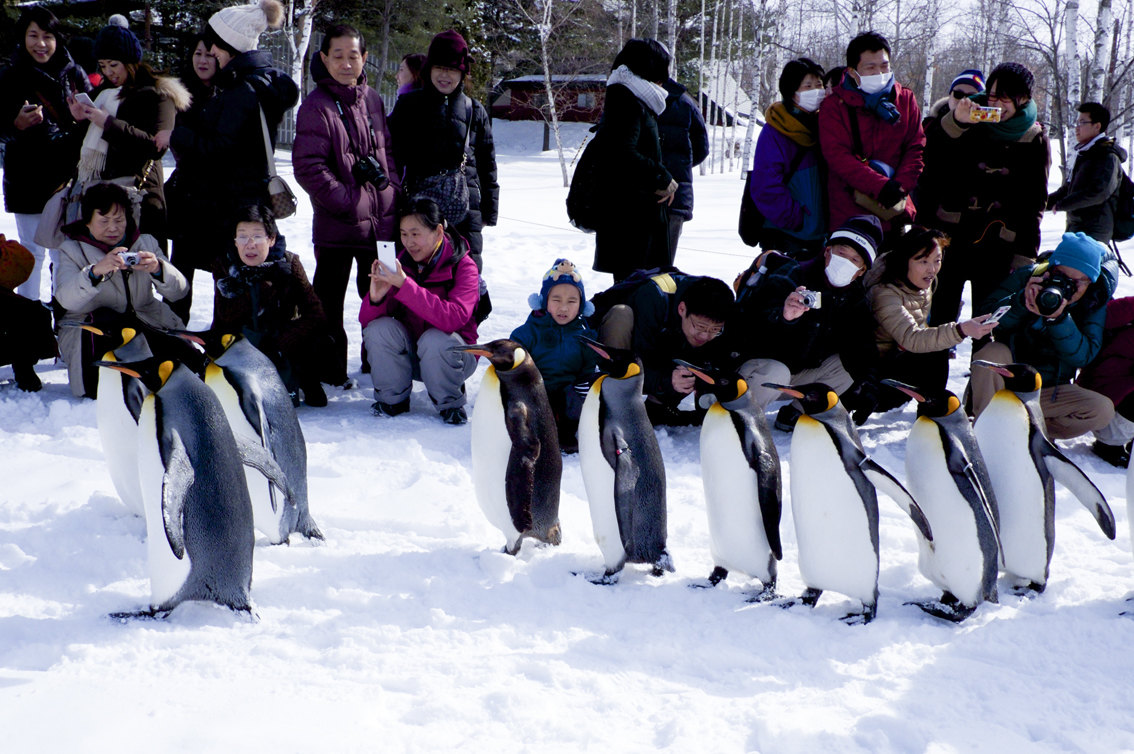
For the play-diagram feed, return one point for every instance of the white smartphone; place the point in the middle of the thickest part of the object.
(996, 315)
(82, 97)
(387, 255)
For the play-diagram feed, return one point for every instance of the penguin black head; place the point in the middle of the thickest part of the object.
(153, 372)
(504, 354)
(1019, 378)
(931, 403)
(619, 363)
(726, 386)
(814, 397)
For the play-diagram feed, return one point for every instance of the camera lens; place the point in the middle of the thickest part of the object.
(1049, 300)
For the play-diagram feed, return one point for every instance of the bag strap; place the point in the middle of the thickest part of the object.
(856, 136)
(468, 129)
(347, 124)
(267, 144)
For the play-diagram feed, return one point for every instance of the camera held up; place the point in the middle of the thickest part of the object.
(1056, 289)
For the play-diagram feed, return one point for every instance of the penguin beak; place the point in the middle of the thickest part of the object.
(907, 389)
(192, 337)
(1000, 369)
(118, 368)
(785, 390)
(698, 371)
(473, 348)
(597, 348)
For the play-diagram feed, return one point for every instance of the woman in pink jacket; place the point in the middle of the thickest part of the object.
(417, 311)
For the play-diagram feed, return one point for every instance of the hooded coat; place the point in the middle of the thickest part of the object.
(40, 159)
(326, 149)
(899, 145)
(684, 144)
(790, 200)
(1090, 198)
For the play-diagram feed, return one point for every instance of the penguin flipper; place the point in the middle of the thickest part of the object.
(175, 483)
(886, 482)
(257, 457)
(1064, 471)
(519, 484)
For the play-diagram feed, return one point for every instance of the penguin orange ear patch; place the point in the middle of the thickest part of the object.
(165, 370)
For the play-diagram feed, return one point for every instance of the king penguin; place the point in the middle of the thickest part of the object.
(515, 447)
(1024, 465)
(834, 502)
(198, 515)
(263, 420)
(622, 467)
(948, 478)
(740, 470)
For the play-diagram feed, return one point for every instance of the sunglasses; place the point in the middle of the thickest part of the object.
(958, 94)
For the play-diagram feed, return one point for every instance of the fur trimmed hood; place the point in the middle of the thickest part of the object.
(175, 91)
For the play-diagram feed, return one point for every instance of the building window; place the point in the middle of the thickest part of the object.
(586, 100)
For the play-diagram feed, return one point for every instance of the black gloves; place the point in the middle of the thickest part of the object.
(861, 400)
(891, 193)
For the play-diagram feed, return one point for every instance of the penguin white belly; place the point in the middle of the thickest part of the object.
(1002, 434)
(1130, 501)
(598, 479)
(167, 573)
(953, 561)
(119, 434)
(266, 520)
(833, 531)
(737, 540)
(491, 447)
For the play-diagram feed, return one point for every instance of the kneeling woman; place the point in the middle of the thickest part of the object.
(108, 274)
(263, 293)
(911, 351)
(416, 312)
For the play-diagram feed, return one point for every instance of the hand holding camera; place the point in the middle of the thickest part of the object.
(369, 170)
(799, 302)
(1050, 294)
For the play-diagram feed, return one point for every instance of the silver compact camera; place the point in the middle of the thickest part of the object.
(129, 257)
(812, 299)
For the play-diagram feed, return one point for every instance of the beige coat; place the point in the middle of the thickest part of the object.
(901, 313)
(80, 296)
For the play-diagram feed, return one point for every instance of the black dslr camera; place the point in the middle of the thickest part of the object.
(1056, 289)
(369, 170)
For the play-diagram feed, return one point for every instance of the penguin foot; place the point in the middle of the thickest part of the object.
(151, 614)
(767, 594)
(858, 619)
(718, 575)
(1028, 590)
(810, 596)
(953, 611)
(610, 578)
(662, 564)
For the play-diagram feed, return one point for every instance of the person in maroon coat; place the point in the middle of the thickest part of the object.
(342, 160)
(1112, 374)
(871, 137)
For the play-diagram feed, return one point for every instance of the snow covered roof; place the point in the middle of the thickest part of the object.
(557, 78)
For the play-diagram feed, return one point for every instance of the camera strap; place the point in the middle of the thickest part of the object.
(347, 124)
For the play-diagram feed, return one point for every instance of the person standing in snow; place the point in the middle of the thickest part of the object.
(635, 233)
(342, 160)
(684, 145)
(1090, 195)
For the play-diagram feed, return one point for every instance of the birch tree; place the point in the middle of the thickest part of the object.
(298, 33)
(1097, 75)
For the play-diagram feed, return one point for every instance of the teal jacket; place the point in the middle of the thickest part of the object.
(561, 357)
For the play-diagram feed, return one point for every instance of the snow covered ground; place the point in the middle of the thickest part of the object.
(408, 630)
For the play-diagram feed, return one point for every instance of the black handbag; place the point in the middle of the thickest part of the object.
(449, 188)
(587, 201)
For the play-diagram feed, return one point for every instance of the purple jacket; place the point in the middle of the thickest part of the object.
(443, 295)
(346, 214)
(793, 203)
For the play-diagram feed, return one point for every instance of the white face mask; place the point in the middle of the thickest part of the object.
(876, 83)
(841, 271)
(809, 101)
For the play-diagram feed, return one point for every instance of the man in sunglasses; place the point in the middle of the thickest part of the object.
(1090, 195)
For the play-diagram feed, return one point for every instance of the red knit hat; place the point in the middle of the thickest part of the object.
(449, 50)
(16, 264)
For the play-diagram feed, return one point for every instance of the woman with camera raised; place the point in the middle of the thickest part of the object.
(107, 277)
(342, 160)
(1056, 311)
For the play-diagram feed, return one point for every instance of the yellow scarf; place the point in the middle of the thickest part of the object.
(789, 125)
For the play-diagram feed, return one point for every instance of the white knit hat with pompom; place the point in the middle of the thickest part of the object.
(241, 26)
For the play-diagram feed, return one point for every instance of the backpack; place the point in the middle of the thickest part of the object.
(1124, 211)
(665, 278)
(752, 220)
(587, 201)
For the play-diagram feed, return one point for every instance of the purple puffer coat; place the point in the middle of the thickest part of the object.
(346, 214)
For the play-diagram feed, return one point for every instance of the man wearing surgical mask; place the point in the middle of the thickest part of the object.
(872, 139)
(791, 337)
(786, 183)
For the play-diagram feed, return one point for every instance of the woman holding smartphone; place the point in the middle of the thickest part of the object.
(43, 137)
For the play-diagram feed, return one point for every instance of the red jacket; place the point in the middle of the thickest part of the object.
(443, 295)
(899, 145)
(1112, 371)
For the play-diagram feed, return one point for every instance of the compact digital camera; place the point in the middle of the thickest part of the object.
(812, 299)
(129, 257)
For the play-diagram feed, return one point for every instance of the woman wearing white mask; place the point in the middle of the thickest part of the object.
(786, 182)
(872, 139)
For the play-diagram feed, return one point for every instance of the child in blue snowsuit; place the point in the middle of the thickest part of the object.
(550, 335)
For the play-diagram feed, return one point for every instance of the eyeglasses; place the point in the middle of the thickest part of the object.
(258, 238)
(999, 98)
(700, 328)
(1085, 123)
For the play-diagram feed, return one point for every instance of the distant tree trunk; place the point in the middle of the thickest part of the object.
(931, 27)
(729, 136)
(298, 37)
(385, 49)
(671, 31)
(633, 18)
(1073, 64)
(702, 100)
(1097, 75)
(654, 20)
(714, 102)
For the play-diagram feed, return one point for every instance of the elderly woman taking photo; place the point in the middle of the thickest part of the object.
(108, 275)
(416, 311)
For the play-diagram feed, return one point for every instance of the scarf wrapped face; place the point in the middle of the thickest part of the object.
(242, 278)
(650, 94)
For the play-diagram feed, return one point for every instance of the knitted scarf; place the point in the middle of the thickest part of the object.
(92, 157)
(881, 104)
(651, 95)
(1013, 128)
(798, 126)
(242, 278)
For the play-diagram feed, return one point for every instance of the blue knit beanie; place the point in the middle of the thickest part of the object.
(973, 77)
(563, 271)
(1080, 251)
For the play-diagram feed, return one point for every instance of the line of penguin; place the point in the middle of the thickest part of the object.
(981, 498)
(207, 447)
